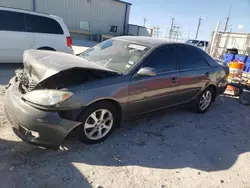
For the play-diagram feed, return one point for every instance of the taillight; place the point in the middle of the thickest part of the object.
(69, 41)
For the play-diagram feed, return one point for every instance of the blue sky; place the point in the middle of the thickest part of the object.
(187, 13)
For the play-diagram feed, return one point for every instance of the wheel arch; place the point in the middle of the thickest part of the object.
(46, 48)
(214, 89)
(109, 100)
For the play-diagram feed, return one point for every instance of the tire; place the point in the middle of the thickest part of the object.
(46, 48)
(201, 107)
(85, 133)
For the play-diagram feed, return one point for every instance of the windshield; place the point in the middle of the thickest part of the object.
(117, 55)
(193, 42)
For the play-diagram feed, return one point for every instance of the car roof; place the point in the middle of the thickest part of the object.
(148, 41)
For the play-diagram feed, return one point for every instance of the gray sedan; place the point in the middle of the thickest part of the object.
(118, 79)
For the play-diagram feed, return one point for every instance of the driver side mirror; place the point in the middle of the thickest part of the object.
(146, 71)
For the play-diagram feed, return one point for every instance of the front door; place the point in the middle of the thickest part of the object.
(148, 93)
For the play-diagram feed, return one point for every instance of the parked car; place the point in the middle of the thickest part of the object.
(199, 43)
(21, 30)
(118, 79)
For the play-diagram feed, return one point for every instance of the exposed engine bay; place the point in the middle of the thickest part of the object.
(60, 80)
(51, 70)
(27, 84)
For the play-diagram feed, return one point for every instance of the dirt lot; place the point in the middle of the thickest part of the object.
(173, 148)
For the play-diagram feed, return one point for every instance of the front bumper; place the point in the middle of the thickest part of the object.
(49, 127)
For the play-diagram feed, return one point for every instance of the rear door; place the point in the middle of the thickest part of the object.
(47, 32)
(14, 39)
(151, 93)
(195, 72)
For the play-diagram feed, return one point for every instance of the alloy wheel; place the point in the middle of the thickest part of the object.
(98, 124)
(205, 100)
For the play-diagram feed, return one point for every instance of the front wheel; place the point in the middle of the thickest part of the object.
(204, 100)
(98, 122)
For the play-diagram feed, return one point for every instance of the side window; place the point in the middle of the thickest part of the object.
(163, 60)
(11, 21)
(206, 43)
(39, 24)
(201, 44)
(191, 58)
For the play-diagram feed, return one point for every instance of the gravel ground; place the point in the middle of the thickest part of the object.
(172, 148)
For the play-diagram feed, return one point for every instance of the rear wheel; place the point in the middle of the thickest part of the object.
(98, 122)
(46, 48)
(204, 101)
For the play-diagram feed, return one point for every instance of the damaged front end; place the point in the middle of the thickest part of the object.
(32, 123)
(61, 80)
(39, 104)
(27, 84)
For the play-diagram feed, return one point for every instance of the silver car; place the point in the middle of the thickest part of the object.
(118, 79)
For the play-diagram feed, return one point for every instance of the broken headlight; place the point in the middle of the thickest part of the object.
(47, 97)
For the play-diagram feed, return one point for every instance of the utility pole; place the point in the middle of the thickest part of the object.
(144, 21)
(176, 33)
(212, 50)
(198, 28)
(227, 19)
(171, 29)
(189, 33)
(156, 31)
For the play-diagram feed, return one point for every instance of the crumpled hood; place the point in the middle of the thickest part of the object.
(40, 64)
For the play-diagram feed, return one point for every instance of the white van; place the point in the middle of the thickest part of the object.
(21, 30)
(202, 44)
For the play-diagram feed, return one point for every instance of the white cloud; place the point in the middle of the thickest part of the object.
(240, 26)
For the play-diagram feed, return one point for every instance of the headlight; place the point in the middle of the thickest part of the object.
(47, 97)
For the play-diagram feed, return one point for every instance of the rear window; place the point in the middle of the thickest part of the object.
(11, 21)
(39, 24)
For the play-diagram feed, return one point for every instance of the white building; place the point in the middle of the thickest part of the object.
(84, 18)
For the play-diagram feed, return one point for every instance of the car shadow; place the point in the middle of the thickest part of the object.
(24, 165)
(171, 139)
(7, 71)
(177, 138)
